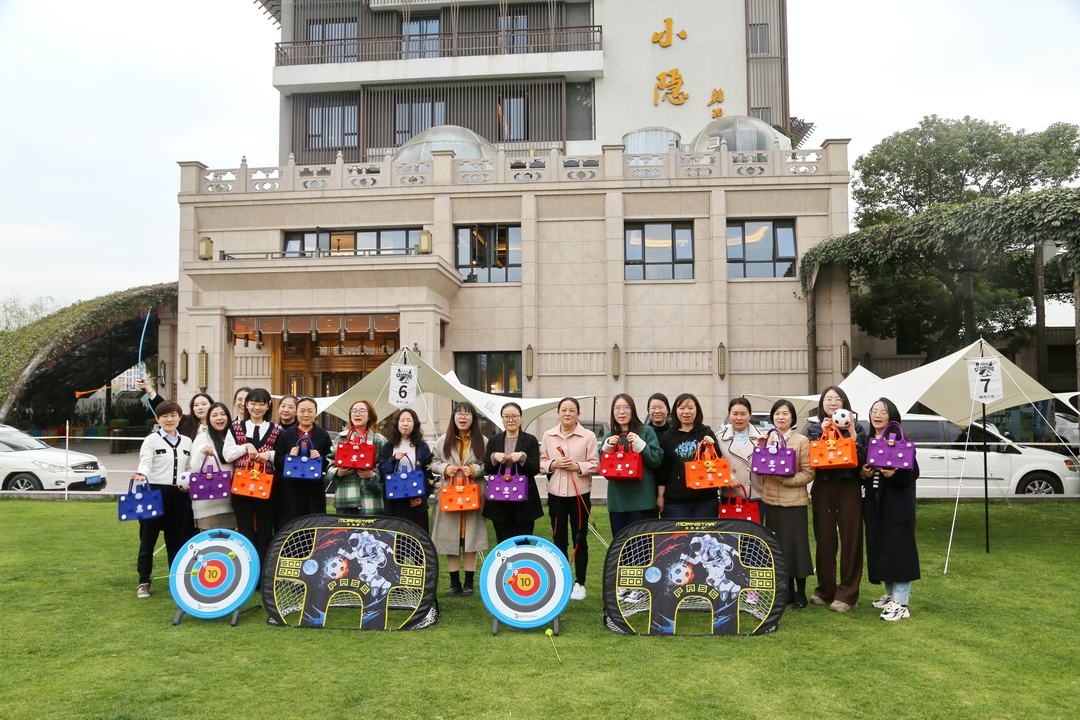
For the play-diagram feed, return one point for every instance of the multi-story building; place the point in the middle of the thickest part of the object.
(549, 198)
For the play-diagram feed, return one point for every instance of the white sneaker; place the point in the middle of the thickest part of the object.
(143, 591)
(883, 601)
(895, 611)
(578, 593)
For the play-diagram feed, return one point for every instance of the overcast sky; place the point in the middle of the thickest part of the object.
(100, 101)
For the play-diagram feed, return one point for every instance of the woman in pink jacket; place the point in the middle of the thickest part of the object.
(569, 457)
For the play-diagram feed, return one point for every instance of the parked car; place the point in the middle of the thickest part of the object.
(945, 470)
(27, 464)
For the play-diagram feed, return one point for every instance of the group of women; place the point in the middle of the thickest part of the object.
(844, 501)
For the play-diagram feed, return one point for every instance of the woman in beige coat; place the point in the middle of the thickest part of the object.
(461, 450)
(786, 501)
(737, 443)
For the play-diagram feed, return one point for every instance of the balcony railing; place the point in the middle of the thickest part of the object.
(435, 45)
(321, 253)
(611, 165)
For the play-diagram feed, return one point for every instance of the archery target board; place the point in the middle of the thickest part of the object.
(657, 571)
(214, 574)
(526, 582)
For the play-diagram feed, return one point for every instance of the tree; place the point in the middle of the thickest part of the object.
(956, 161)
(920, 298)
(910, 269)
(16, 312)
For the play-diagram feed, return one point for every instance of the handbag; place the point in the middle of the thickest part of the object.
(833, 450)
(143, 504)
(886, 451)
(741, 508)
(775, 458)
(213, 485)
(460, 495)
(707, 470)
(355, 452)
(621, 462)
(508, 486)
(303, 466)
(253, 480)
(405, 482)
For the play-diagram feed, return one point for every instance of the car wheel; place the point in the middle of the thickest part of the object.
(24, 482)
(1039, 483)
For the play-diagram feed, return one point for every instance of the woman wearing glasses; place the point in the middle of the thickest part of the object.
(632, 500)
(358, 492)
(517, 452)
(461, 452)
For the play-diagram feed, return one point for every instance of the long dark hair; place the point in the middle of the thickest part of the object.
(476, 435)
(189, 424)
(634, 424)
(394, 436)
(218, 439)
(821, 401)
(890, 407)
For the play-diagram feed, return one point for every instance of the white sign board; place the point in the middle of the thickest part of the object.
(403, 385)
(984, 379)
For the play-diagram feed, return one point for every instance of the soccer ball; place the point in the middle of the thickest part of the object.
(842, 417)
(337, 567)
(680, 573)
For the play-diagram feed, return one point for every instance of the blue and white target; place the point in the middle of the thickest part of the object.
(214, 574)
(526, 582)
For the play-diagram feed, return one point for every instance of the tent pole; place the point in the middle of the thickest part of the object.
(986, 472)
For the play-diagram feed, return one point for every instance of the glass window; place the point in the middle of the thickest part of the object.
(659, 251)
(759, 38)
(761, 249)
(338, 41)
(412, 118)
(397, 241)
(489, 253)
(514, 38)
(423, 37)
(498, 373)
(511, 112)
(333, 126)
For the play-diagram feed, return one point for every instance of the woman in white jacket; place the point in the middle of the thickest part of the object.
(207, 449)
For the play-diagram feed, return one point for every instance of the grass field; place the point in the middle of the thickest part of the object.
(995, 638)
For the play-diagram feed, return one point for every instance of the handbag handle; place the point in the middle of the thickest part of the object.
(354, 431)
(412, 465)
(213, 464)
(899, 428)
(503, 471)
(710, 452)
(303, 439)
(783, 442)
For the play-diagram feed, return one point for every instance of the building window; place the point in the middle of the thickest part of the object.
(514, 37)
(333, 126)
(763, 114)
(323, 243)
(422, 36)
(413, 118)
(759, 39)
(659, 251)
(511, 112)
(489, 253)
(338, 41)
(498, 373)
(761, 248)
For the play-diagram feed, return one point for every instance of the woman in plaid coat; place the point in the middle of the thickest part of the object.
(359, 492)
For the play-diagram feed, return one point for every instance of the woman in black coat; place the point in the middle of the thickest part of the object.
(507, 449)
(889, 513)
(296, 498)
(406, 440)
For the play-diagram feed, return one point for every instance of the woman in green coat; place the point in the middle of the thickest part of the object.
(632, 500)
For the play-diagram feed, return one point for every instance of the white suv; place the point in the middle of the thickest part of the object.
(945, 470)
(27, 464)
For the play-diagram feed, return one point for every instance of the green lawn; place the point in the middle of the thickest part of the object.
(995, 638)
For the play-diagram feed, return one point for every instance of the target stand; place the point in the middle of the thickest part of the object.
(525, 583)
(214, 575)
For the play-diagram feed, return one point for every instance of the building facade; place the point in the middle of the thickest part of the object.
(548, 198)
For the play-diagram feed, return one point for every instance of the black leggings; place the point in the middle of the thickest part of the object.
(571, 513)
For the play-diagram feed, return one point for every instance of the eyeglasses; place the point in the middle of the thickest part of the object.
(463, 413)
(620, 408)
(508, 418)
(359, 411)
(879, 413)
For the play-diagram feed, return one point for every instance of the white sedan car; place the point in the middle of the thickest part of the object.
(27, 464)
(947, 468)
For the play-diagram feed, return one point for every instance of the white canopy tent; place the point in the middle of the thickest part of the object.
(941, 385)
(374, 388)
(806, 405)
